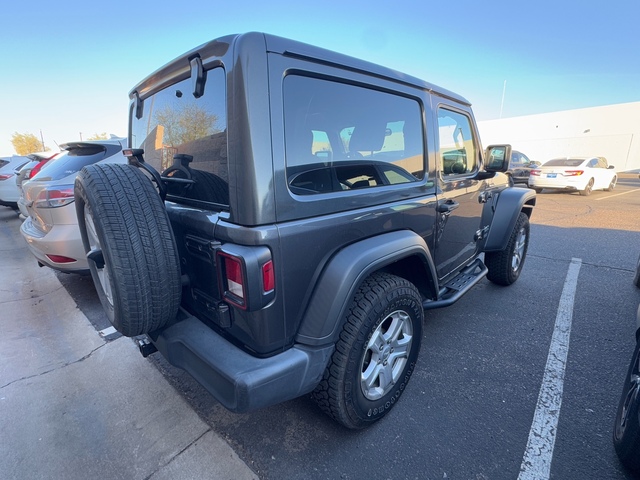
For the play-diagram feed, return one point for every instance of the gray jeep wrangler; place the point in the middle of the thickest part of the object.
(286, 217)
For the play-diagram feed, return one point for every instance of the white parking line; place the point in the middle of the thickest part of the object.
(536, 463)
(618, 194)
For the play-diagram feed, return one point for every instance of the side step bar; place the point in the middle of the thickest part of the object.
(458, 285)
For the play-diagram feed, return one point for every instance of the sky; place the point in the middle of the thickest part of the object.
(66, 67)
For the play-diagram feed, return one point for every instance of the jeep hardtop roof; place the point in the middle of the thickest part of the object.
(212, 51)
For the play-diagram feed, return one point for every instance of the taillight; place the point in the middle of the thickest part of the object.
(6, 176)
(246, 276)
(573, 173)
(233, 277)
(60, 259)
(53, 197)
(534, 173)
(268, 277)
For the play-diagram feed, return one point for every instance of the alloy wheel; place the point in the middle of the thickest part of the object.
(386, 355)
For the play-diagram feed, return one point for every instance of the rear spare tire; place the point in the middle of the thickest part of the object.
(130, 246)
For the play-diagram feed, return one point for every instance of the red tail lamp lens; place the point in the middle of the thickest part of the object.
(233, 276)
(268, 277)
(60, 259)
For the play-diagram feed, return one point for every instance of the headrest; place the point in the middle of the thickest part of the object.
(368, 136)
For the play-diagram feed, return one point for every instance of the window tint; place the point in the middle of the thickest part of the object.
(71, 161)
(564, 162)
(184, 137)
(457, 150)
(343, 137)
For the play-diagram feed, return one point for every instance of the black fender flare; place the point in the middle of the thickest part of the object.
(346, 270)
(508, 205)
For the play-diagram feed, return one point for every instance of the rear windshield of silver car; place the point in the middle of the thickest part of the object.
(71, 161)
(185, 138)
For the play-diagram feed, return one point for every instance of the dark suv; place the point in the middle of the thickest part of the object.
(288, 214)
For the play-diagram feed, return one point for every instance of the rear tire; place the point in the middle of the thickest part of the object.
(588, 189)
(612, 185)
(636, 279)
(626, 431)
(134, 264)
(505, 266)
(375, 354)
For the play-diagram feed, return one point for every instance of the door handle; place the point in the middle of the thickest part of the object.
(447, 207)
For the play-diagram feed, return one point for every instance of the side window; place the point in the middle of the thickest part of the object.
(593, 163)
(457, 149)
(342, 137)
(184, 137)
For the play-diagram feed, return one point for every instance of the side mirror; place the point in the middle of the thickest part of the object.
(611, 167)
(497, 158)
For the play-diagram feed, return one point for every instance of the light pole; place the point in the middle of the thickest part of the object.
(504, 88)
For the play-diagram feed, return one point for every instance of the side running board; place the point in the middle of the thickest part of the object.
(458, 285)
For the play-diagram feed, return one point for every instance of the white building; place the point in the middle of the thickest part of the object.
(612, 131)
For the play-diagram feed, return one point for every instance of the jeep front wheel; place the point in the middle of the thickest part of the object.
(375, 354)
(505, 266)
(130, 247)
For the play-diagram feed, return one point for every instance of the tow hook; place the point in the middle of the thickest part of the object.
(146, 347)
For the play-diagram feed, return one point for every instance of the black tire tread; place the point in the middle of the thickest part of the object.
(628, 445)
(499, 263)
(138, 244)
(331, 391)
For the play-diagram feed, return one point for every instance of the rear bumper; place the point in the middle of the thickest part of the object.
(559, 183)
(239, 381)
(60, 240)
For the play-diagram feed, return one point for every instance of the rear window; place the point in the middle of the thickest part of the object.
(185, 137)
(564, 162)
(71, 161)
(3, 162)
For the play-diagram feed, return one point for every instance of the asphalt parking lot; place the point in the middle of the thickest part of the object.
(471, 411)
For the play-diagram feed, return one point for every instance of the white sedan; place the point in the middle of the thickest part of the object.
(583, 174)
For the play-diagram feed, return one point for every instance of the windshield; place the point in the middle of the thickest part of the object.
(186, 137)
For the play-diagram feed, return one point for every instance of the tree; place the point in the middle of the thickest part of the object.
(185, 124)
(25, 143)
(99, 136)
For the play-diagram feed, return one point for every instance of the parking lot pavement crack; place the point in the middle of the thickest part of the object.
(54, 369)
(30, 297)
(168, 462)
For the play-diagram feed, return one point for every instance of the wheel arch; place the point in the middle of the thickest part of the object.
(403, 253)
(510, 203)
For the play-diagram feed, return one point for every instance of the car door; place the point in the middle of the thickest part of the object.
(604, 175)
(460, 201)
